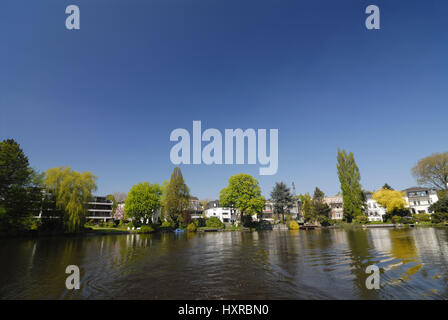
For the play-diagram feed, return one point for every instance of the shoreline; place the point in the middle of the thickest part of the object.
(113, 231)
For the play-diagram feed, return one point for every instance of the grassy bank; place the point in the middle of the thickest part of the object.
(107, 230)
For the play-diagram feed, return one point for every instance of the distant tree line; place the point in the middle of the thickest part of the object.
(60, 196)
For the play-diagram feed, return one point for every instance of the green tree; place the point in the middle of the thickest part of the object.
(111, 197)
(306, 205)
(438, 217)
(143, 201)
(20, 188)
(282, 198)
(214, 222)
(386, 186)
(243, 193)
(349, 177)
(320, 209)
(433, 170)
(163, 189)
(177, 198)
(120, 196)
(318, 195)
(440, 206)
(14, 166)
(72, 191)
(393, 201)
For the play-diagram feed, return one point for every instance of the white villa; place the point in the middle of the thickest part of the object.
(419, 199)
(374, 210)
(225, 214)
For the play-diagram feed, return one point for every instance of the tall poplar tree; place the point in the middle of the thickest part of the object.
(349, 177)
(177, 196)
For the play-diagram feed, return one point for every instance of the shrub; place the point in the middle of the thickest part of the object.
(90, 223)
(247, 221)
(110, 224)
(422, 217)
(214, 222)
(146, 229)
(49, 224)
(134, 224)
(263, 225)
(407, 220)
(361, 219)
(396, 219)
(191, 227)
(439, 217)
(324, 221)
(336, 222)
(293, 225)
(199, 222)
(166, 224)
(376, 222)
(181, 222)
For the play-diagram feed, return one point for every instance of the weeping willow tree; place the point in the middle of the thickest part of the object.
(72, 191)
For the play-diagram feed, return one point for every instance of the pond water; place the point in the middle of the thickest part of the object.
(304, 264)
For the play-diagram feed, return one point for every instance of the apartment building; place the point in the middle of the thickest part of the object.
(268, 211)
(336, 205)
(99, 209)
(195, 208)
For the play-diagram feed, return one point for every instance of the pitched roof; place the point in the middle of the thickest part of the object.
(211, 204)
(413, 189)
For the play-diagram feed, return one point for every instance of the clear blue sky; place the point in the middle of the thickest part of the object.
(106, 97)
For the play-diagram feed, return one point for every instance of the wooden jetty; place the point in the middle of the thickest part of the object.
(307, 227)
(390, 225)
(210, 230)
(382, 225)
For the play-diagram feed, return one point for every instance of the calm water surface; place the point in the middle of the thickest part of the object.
(315, 264)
